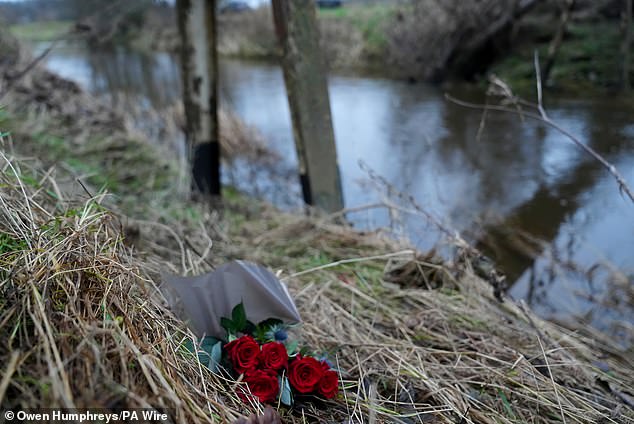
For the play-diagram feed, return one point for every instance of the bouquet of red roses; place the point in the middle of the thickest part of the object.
(271, 367)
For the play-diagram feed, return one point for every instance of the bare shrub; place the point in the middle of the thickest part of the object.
(342, 44)
(247, 34)
(428, 35)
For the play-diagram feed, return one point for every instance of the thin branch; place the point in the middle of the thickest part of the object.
(538, 74)
(623, 186)
(407, 252)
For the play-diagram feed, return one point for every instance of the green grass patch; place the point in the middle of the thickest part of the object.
(9, 244)
(371, 21)
(589, 57)
(339, 12)
(41, 31)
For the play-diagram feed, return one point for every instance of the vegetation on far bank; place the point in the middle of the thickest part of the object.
(41, 30)
(392, 39)
(384, 38)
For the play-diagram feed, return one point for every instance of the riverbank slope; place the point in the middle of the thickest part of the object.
(85, 325)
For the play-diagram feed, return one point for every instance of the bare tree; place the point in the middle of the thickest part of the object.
(555, 44)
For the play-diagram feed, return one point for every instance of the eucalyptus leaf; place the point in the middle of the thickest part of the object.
(205, 351)
(291, 347)
(215, 357)
(286, 397)
(209, 351)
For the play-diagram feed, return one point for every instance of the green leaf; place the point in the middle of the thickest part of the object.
(286, 397)
(261, 331)
(249, 328)
(209, 351)
(228, 325)
(260, 335)
(506, 403)
(239, 317)
(268, 323)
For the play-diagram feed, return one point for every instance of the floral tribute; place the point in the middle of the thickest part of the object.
(273, 368)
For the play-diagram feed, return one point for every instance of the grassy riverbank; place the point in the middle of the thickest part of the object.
(84, 270)
(91, 215)
(41, 31)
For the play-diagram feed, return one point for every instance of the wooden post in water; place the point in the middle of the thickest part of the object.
(307, 89)
(199, 64)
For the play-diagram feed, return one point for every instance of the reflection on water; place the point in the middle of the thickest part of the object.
(492, 177)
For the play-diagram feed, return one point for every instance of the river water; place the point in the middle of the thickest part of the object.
(571, 251)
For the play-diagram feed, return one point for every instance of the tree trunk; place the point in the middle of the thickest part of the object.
(199, 63)
(307, 89)
(627, 43)
(482, 31)
(555, 44)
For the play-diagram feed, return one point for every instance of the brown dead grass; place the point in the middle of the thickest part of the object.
(85, 325)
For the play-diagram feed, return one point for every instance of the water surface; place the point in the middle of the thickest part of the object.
(478, 179)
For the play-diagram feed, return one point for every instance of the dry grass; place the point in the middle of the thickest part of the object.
(421, 355)
(248, 34)
(85, 326)
(82, 324)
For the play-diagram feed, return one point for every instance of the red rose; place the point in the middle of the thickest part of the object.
(243, 353)
(262, 384)
(328, 386)
(274, 356)
(304, 374)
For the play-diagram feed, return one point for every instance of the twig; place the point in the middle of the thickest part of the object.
(8, 373)
(463, 420)
(538, 74)
(623, 186)
(351, 261)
